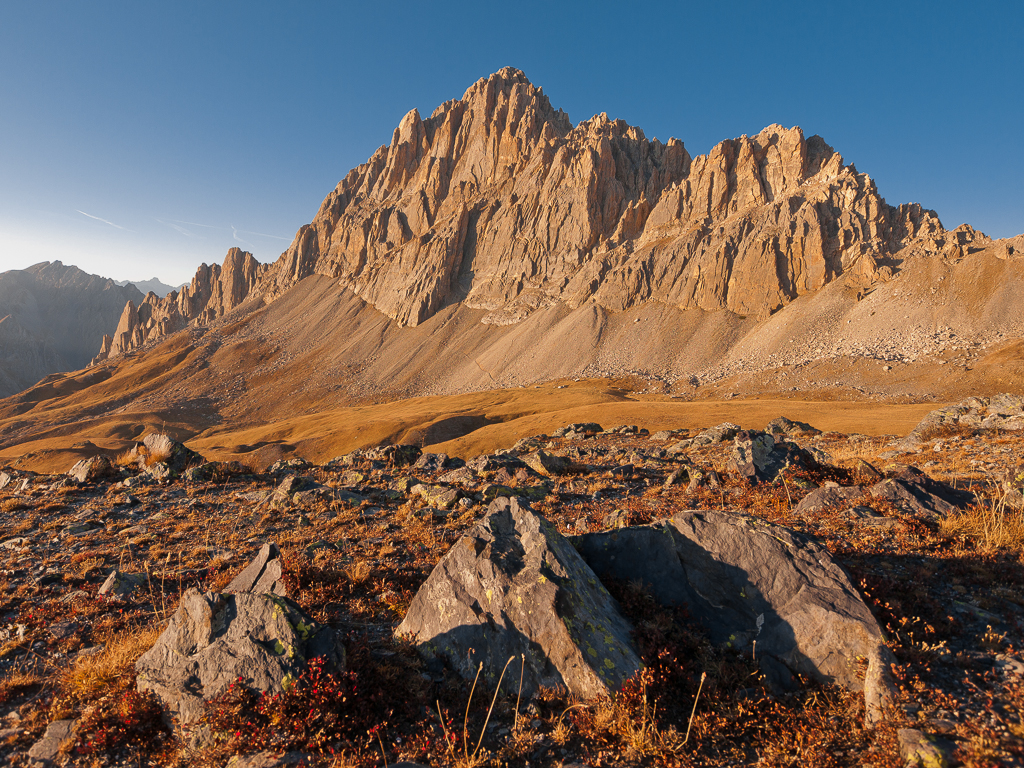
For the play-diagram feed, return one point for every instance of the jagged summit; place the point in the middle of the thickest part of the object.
(498, 203)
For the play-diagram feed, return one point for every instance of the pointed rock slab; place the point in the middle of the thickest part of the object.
(513, 585)
(262, 575)
(746, 580)
(916, 493)
(214, 639)
(58, 733)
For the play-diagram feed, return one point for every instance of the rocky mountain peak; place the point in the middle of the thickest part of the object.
(214, 291)
(496, 201)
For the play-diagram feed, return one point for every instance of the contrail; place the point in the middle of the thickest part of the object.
(260, 234)
(176, 228)
(234, 234)
(115, 226)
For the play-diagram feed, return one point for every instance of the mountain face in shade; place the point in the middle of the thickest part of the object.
(50, 318)
(497, 202)
(154, 284)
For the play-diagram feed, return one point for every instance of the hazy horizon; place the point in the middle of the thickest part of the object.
(145, 140)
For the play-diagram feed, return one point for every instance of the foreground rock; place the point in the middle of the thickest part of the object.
(214, 640)
(514, 586)
(746, 581)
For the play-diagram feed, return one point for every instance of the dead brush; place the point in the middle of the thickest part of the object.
(17, 681)
(359, 572)
(91, 677)
(992, 522)
(129, 458)
(12, 505)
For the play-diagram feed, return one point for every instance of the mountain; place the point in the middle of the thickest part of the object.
(214, 291)
(496, 202)
(495, 245)
(153, 285)
(50, 318)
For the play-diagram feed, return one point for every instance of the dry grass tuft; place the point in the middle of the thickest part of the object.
(993, 526)
(359, 571)
(17, 681)
(127, 458)
(91, 677)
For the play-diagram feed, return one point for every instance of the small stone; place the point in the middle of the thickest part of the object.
(923, 750)
(58, 733)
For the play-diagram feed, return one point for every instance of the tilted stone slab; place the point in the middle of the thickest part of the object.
(262, 575)
(744, 580)
(513, 585)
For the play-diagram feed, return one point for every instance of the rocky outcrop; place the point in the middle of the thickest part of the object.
(213, 293)
(50, 318)
(748, 582)
(498, 202)
(1004, 411)
(213, 640)
(514, 587)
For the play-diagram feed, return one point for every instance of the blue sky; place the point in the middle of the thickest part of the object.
(141, 139)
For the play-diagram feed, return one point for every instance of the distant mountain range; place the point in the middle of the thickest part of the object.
(50, 318)
(152, 285)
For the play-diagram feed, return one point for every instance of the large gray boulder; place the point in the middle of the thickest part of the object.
(513, 585)
(744, 580)
(215, 639)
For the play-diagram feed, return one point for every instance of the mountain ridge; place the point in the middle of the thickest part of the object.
(497, 201)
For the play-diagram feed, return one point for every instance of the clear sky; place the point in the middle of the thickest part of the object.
(140, 139)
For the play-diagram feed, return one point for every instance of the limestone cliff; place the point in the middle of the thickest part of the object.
(214, 292)
(498, 202)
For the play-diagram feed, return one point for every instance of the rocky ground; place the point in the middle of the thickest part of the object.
(936, 554)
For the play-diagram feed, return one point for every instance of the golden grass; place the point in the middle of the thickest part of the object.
(10, 505)
(91, 677)
(16, 681)
(993, 526)
(358, 572)
(127, 458)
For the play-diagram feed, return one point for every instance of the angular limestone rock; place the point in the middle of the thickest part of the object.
(120, 584)
(513, 585)
(916, 493)
(215, 639)
(744, 581)
(759, 456)
(262, 575)
(92, 469)
(58, 733)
